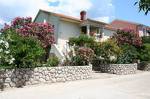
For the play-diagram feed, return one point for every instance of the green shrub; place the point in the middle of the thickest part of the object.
(145, 66)
(144, 52)
(82, 40)
(129, 54)
(6, 58)
(108, 51)
(52, 61)
(146, 39)
(85, 55)
(82, 56)
(27, 51)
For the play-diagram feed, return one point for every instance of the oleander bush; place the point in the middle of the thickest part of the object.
(29, 43)
(128, 36)
(80, 56)
(26, 51)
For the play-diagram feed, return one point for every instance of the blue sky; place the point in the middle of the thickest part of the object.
(125, 10)
(103, 10)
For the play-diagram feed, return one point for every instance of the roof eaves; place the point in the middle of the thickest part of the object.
(97, 21)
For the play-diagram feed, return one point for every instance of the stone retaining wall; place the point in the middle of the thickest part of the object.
(22, 77)
(120, 69)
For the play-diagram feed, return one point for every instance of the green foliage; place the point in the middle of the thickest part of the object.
(6, 58)
(127, 36)
(144, 65)
(85, 54)
(52, 61)
(27, 51)
(77, 61)
(144, 5)
(109, 51)
(129, 54)
(80, 57)
(82, 40)
(144, 52)
(146, 39)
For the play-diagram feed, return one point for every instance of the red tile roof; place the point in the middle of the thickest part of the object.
(109, 27)
(121, 24)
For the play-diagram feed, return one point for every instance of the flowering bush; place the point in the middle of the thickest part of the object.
(6, 58)
(108, 51)
(44, 32)
(127, 36)
(81, 56)
(86, 55)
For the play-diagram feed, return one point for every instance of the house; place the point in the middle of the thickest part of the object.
(139, 29)
(67, 26)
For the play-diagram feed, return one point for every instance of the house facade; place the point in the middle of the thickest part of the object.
(67, 26)
(139, 29)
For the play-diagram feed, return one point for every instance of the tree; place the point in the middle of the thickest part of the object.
(44, 32)
(144, 5)
(26, 51)
(127, 36)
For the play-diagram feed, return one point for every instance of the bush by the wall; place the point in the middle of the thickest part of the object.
(80, 57)
(82, 40)
(26, 51)
(146, 39)
(144, 65)
(127, 36)
(129, 54)
(52, 61)
(144, 52)
(6, 58)
(109, 51)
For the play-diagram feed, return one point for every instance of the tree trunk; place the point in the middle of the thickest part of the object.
(47, 52)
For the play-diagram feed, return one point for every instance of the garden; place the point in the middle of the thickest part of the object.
(26, 44)
(25, 57)
(125, 47)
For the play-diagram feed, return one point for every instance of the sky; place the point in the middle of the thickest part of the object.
(102, 10)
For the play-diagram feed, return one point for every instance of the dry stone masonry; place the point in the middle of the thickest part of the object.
(120, 69)
(30, 76)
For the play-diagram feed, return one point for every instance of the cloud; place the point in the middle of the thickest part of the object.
(2, 21)
(95, 8)
(71, 7)
(102, 9)
(12, 8)
(103, 19)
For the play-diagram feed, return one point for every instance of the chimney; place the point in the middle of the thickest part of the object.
(83, 15)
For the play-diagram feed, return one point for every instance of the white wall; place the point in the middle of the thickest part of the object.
(141, 33)
(65, 31)
(68, 29)
(108, 32)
